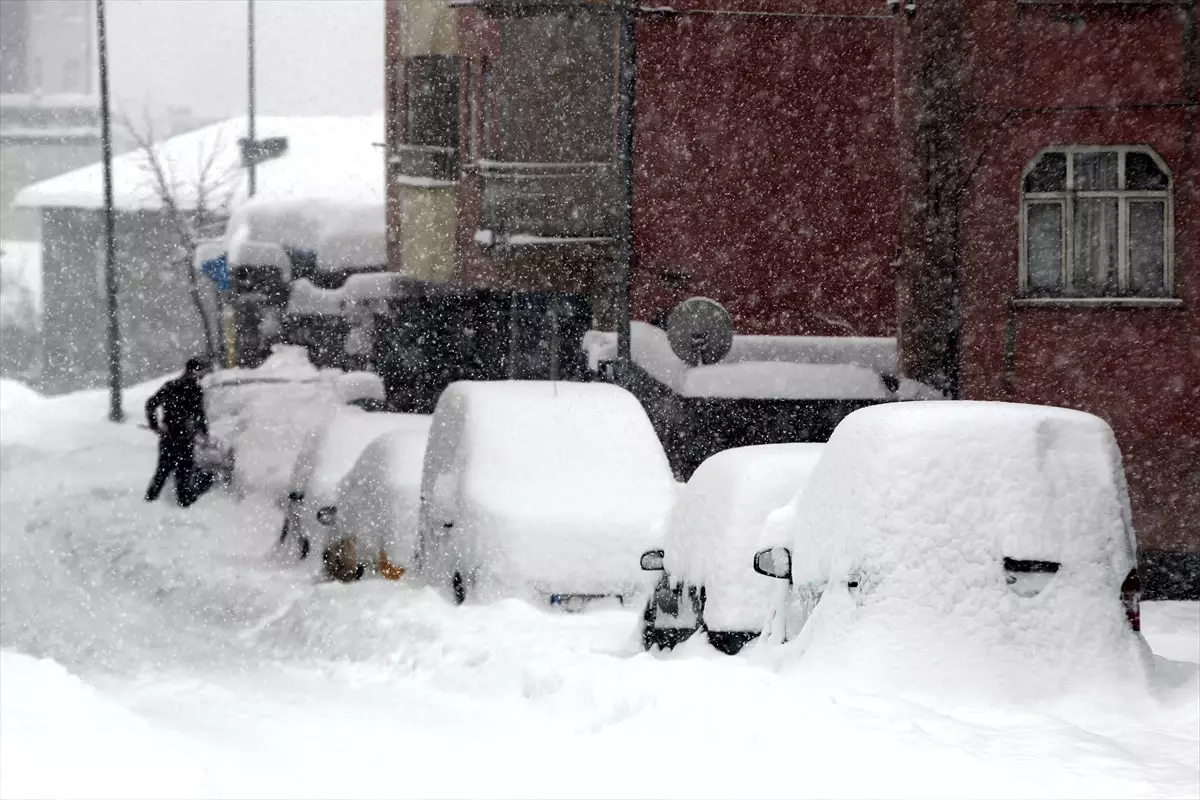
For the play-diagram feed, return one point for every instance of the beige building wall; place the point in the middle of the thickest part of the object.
(425, 217)
(427, 27)
(427, 249)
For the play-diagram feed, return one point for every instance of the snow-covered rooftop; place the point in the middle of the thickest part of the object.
(333, 159)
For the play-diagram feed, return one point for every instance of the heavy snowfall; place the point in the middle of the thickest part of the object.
(152, 651)
(599, 398)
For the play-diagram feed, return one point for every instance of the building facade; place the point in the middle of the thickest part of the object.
(49, 111)
(1075, 260)
(1009, 186)
(422, 105)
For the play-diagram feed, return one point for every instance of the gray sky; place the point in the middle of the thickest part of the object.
(314, 56)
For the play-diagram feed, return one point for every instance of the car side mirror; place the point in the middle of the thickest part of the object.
(327, 515)
(775, 562)
(652, 560)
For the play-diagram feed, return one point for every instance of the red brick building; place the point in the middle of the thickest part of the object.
(1010, 186)
(1074, 253)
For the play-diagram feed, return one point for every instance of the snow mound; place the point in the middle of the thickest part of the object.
(360, 385)
(15, 395)
(355, 237)
(920, 503)
(773, 380)
(113, 752)
(552, 488)
(307, 298)
(714, 529)
(764, 367)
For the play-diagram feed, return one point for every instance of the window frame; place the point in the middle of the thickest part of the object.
(1067, 199)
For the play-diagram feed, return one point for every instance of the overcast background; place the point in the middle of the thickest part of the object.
(314, 57)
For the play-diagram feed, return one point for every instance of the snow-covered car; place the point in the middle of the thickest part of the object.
(708, 581)
(542, 490)
(963, 543)
(378, 507)
(328, 453)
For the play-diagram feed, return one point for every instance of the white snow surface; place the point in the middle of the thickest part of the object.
(716, 523)
(552, 488)
(332, 448)
(921, 502)
(306, 297)
(147, 651)
(766, 367)
(379, 500)
(329, 159)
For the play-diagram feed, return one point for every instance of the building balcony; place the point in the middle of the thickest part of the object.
(543, 203)
(424, 165)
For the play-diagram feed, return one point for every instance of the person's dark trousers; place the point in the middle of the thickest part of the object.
(174, 455)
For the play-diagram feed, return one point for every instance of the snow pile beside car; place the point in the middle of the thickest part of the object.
(908, 521)
(715, 527)
(541, 488)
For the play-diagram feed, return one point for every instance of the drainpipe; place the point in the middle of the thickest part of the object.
(624, 255)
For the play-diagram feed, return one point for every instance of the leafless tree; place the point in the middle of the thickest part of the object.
(194, 200)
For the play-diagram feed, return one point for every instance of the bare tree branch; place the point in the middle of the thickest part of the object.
(184, 222)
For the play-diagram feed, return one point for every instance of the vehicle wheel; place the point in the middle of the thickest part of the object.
(305, 546)
(459, 588)
(730, 642)
(283, 534)
(649, 637)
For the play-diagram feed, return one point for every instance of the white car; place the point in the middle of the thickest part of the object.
(378, 507)
(708, 582)
(328, 453)
(963, 544)
(543, 490)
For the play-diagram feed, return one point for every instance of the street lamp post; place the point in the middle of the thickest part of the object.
(115, 411)
(252, 177)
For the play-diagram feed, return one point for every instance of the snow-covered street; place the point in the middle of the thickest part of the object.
(150, 651)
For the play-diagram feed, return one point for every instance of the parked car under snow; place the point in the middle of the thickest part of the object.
(328, 453)
(378, 507)
(542, 490)
(963, 543)
(708, 582)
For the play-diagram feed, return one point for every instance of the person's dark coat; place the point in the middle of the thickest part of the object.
(182, 403)
(183, 419)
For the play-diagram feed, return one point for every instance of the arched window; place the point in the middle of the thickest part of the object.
(1096, 222)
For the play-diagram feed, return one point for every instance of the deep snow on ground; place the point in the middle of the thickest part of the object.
(149, 651)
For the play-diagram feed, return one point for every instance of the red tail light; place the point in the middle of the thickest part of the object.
(1131, 597)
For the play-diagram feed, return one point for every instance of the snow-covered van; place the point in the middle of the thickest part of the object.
(543, 490)
(962, 543)
(708, 582)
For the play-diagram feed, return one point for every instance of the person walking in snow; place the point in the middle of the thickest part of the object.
(183, 419)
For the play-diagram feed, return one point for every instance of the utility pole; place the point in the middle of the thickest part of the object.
(624, 255)
(115, 411)
(252, 176)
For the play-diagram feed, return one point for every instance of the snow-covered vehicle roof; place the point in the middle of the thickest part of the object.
(379, 499)
(331, 449)
(716, 524)
(553, 487)
(908, 519)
